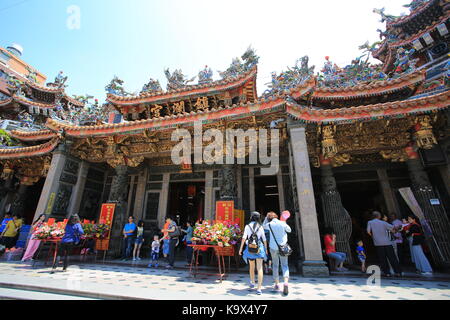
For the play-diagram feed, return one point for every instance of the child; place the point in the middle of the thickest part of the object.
(361, 255)
(155, 252)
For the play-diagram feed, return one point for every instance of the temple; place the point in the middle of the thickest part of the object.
(351, 139)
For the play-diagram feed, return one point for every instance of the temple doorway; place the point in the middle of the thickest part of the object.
(186, 201)
(32, 200)
(360, 199)
(266, 194)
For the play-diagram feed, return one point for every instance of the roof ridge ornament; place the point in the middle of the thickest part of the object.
(249, 60)
(177, 79)
(116, 87)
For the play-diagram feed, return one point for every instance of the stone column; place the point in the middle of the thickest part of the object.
(434, 214)
(78, 190)
(51, 184)
(335, 215)
(163, 199)
(280, 190)
(138, 211)
(388, 195)
(251, 188)
(209, 193)
(118, 195)
(313, 266)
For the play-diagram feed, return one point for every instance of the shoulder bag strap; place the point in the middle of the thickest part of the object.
(273, 235)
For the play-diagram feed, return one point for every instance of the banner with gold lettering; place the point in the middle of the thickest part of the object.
(225, 210)
(106, 217)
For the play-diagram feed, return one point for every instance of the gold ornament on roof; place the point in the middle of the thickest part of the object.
(329, 147)
(424, 133)
(201, 104)
(8, 172)
(178, 107)
(156, 111)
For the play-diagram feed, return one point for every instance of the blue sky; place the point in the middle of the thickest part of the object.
(137, 39)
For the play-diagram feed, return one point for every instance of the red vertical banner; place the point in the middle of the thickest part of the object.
(239, 218)
(225, 210)
(106, 217)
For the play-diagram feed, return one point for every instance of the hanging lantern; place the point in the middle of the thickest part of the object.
(424, 133)
(329, 147)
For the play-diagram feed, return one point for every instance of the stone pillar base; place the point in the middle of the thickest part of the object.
(315, 269)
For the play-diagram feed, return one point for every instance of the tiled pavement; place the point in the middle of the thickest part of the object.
(111, 281)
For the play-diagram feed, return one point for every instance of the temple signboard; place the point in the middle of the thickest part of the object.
(106, 217)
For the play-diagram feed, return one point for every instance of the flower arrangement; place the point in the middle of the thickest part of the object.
(100, 231)
(45, 232)
(222, 234)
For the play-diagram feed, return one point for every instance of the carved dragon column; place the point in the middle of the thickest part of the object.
(434, 214)
(228, 190)
(335, 215)
(118, 195)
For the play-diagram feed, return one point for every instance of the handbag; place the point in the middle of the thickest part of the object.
(285, 249)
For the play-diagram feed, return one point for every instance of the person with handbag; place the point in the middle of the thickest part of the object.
(279, 249)
(174, 233)
(256, 249)
(71, 239)
(416, 239)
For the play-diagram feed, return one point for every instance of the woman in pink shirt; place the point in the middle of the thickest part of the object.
(33, 244)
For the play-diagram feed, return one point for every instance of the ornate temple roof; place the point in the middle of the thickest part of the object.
(188, 91)
(383, 110)
(25, 152)
(372, 89)
(33, 135)
(416, 13)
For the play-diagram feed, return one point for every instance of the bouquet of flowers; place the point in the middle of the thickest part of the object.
(222, 234)
(45, 232)
(42, 233)
(88, 229)
(100, 231)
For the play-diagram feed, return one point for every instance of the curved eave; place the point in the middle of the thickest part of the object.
(31, 103)
(303, 89)
(418, 11)
(44, 88)
(33, 135)
(420, 33)
(73, 101)
(373, 89)
(26, 152)
(216, 86)
(5, 102)
(168, 121)
(399, 108)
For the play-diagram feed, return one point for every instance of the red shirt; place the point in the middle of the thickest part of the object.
(329, 248)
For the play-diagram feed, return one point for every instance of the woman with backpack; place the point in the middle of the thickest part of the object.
(71, 238)
(256, 249)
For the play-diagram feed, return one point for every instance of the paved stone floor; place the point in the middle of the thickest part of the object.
(114, 282)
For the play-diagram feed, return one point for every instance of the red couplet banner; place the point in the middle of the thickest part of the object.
(225, 210)
(106, 217)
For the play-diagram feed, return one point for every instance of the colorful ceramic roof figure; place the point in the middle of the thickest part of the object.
(424, 28)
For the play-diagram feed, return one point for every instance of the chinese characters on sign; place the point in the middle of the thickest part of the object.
(106, 217)
(225, 210)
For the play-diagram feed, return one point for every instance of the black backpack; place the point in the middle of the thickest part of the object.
(253, 241)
